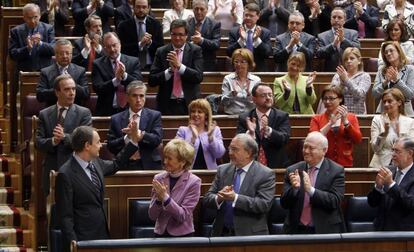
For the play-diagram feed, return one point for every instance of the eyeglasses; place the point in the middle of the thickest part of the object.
(329, 98)
(178, 34)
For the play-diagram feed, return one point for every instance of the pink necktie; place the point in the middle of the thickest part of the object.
(120, 92)
(177, 85)
(262, 155)
(361, 29)
(306, 217)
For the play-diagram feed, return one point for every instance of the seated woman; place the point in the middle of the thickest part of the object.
(294, 93)
(401, 9)
(203, 134)
(395, 73)
(177, 11)
(237, 87)
(340, 127)
(228, 12)
(353, 80)
(175, 192)
(397, 31)
(387, 127)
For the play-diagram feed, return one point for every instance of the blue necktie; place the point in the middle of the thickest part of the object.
(229, 211)
(249, 41)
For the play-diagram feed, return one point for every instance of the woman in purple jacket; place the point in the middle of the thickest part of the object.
(175, 192)
(203, 134)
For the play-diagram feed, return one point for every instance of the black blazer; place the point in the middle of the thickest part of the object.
(102, 75)
(321, 23)
(45, 91)
(191, 79)
(150, 122)
(370, 17)
(122, 13)
(61, 16)
(80, 14)
(396, 206)
(79, 207)
(77, 57)
(274, 145)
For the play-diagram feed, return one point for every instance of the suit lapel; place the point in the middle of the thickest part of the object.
(143, 120)
(177, 191)
(83, 177)
(125, 119)
(187, 55)
(248, 178)
(53, 116)
(407, 179)
(71, 113)
(228, 175)
(191, 28)
(108, 67)
(323, 173)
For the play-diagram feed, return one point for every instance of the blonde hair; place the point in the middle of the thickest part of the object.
(398, 96)
(298, 57)
(204, 106)
(183, 151)
(246, 54)
(355, 51)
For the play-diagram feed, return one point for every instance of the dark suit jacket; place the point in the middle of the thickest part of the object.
(122, 13)
(45, 91)
(253, 203)
(150, 122)
(55, 156)
(102, 75)
(80, 13)
(79, 207)
(274, 145)
(210, 31)
(40, 56)
(370, 17)
(396, 206)
(77, 57)
(61, 16)
(281, 54)
(321, 23)
(326, 201)
(333, 56)
(261, 53)
(128, 35)
(193, 75)
(275, 20)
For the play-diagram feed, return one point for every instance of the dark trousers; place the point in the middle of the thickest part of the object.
(175, 107)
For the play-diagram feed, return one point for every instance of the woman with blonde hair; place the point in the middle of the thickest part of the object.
(204, 134)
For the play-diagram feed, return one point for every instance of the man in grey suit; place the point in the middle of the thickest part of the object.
(294, 40)
(56, 123)
(313, 190)
(45, 91)
(333, 43)
(242, 191)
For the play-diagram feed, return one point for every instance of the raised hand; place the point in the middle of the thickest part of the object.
(257, 32)
(210, 132)
(242, 32)
(251, 125)
(286, 85)
(294, 179)
(87, 42)
(386, 175)
(311, 78)
(341, 71)
(58, 134)
(307, 185)
(343, 112)
(196, 38)
(194, 131)
(119, 71)
(173, 60)
(160, 189)
(146, 40)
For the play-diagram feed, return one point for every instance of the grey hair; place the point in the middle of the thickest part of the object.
(297, 14)
(136, 84)
(320, 137)
(249, 144)
(204, 2)
(408, 143)
(62, 42)
(31, 6)
(110, 34)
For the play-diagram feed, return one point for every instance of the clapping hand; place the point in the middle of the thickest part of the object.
(311, 78)
(286, 86)
(257, 32)
(341, 71)
(307, 185)
(391, 74)
(119, 71)
(160, 189)
(227, 193)
(196, 38)
(210, 132)
(194, 131)
(243, 34)
(343, 112)
(251, 125)
(384, 176)
(172, 58)
(294, 179)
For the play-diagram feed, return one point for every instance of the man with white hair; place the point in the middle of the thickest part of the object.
(313, 190)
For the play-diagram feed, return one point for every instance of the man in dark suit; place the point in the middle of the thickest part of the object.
(149, 125)
(178, 71)
(268, 126)
(251, 36)
(31, 43)
(204, 32)
(394, 190)
(313, 190)
(55, 125)
(45, 91)
(141, 36)
(124, 12)
(333, 43)
(363, 18)
(82, 9)
(80, 186)
(242, 191)
(55, 13)
(317, 14)
(111, 75)
(294, 40)
(274, 17)
(89, 48)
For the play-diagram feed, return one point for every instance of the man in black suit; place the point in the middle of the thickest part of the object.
(275, 17)
(363, 18)
(251, 36)
(80, 186)
(313, 190)
(294, 40)
(178, 71)
(55, 13)
(45, 91)
(89, 48)
(204, 32)
(111, 75)
(269, 126)
(55, 125)
(317, 14)
(141, 36)
(394, 190)
(124, 12)
(149, 126)
(82, 9)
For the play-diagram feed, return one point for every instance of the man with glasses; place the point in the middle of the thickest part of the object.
(393, 192)
(177, 71)
(268, 126)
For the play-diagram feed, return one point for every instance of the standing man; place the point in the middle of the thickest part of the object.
(111, 75)
(333, 43)
(242, 191)
(149, 124)
(363, 18)
(141, 35)
(55, 13)
(268, 126)
(317, 15)
(275, 16)
(124, 12)
(313, 190)
(80, 186)
(82, 9)
(45, 91)
(178, 71)
(394, 190)
(294, 40)
(204, 32)
(56, 123)
(251, 36)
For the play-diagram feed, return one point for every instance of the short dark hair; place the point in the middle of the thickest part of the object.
(80, 136)
(178, 23)
(338, 90)
(252, 7)
(88, 21)
(254, 89)
(59, 79)
(404, 32)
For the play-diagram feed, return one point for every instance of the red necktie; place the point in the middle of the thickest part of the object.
(361, 29)
(177, 85)
(121, 96)
(92, 56)
(306, 217)
(262, 155)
